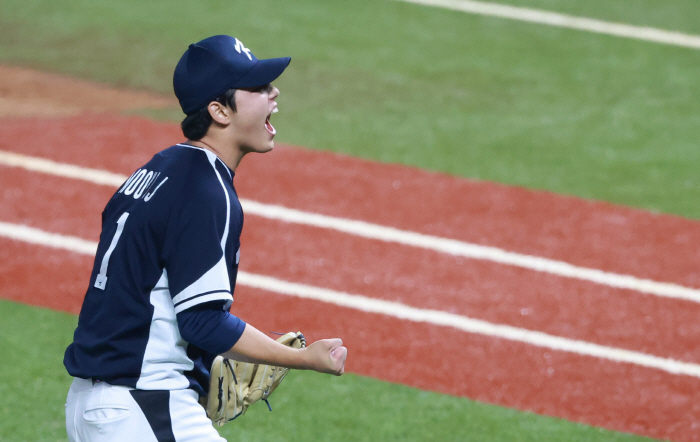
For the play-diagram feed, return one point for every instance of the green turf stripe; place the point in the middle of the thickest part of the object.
(308, 406)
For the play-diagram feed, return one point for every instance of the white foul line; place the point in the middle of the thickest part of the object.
(566, 21)
(472, 251)
(42, 165)
(388, 308)
(388, 234)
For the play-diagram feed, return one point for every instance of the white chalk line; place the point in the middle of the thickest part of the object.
(387, 234)
(35, 164)
(566, 21)
(388, 308)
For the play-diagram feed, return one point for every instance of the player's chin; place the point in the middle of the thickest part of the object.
(261, 147)
(268, 147)
(268, 142)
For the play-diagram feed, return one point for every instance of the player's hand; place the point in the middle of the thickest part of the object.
(327, 356)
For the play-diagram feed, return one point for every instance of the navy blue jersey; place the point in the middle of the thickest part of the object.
(170, 243)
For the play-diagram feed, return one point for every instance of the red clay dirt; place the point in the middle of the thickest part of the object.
(29, 93)
(616, 396)
(498, 293)
(424, 279)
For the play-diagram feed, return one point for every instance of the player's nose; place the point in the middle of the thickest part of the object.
(274, 93)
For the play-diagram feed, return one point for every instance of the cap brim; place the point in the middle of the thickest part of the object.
(264, 72)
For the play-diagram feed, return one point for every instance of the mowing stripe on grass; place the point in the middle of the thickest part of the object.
(388, 234)
(388, 308)
(566, 21)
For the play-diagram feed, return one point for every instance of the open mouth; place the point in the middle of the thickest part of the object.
(270, 128)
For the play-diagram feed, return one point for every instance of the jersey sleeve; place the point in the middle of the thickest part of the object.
(215, 331)
(195, 261)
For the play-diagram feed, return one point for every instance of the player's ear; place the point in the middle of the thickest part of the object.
(219, 112)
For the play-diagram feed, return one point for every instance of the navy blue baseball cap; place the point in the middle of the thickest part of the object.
(210, 67)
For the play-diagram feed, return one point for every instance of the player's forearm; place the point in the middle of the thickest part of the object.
(325, 356)
(256, 347)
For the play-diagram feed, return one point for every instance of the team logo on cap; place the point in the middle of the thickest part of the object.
(239, 47)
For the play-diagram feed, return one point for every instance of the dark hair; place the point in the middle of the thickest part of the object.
(195, 126)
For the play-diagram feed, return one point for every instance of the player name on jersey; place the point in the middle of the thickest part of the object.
(140, 182)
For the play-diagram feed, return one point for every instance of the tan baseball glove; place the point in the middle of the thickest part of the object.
(234, 385)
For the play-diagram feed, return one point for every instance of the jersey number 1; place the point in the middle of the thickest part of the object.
(101, 280)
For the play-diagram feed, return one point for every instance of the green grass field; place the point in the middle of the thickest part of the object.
(566, 111)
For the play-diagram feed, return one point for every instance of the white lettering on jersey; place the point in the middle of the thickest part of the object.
(135, 182)
(140, 183)
(150, 195)
(128, 182)
(239, 47)
(144, 185)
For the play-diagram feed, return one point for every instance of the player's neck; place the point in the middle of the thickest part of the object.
(231, 156)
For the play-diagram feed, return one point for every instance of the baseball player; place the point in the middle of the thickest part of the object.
(156, 312)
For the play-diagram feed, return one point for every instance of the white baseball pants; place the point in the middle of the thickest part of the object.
(100, 412)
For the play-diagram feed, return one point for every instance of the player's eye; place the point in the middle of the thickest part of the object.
(260, 89)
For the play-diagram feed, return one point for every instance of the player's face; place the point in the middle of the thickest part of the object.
(251, 121)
